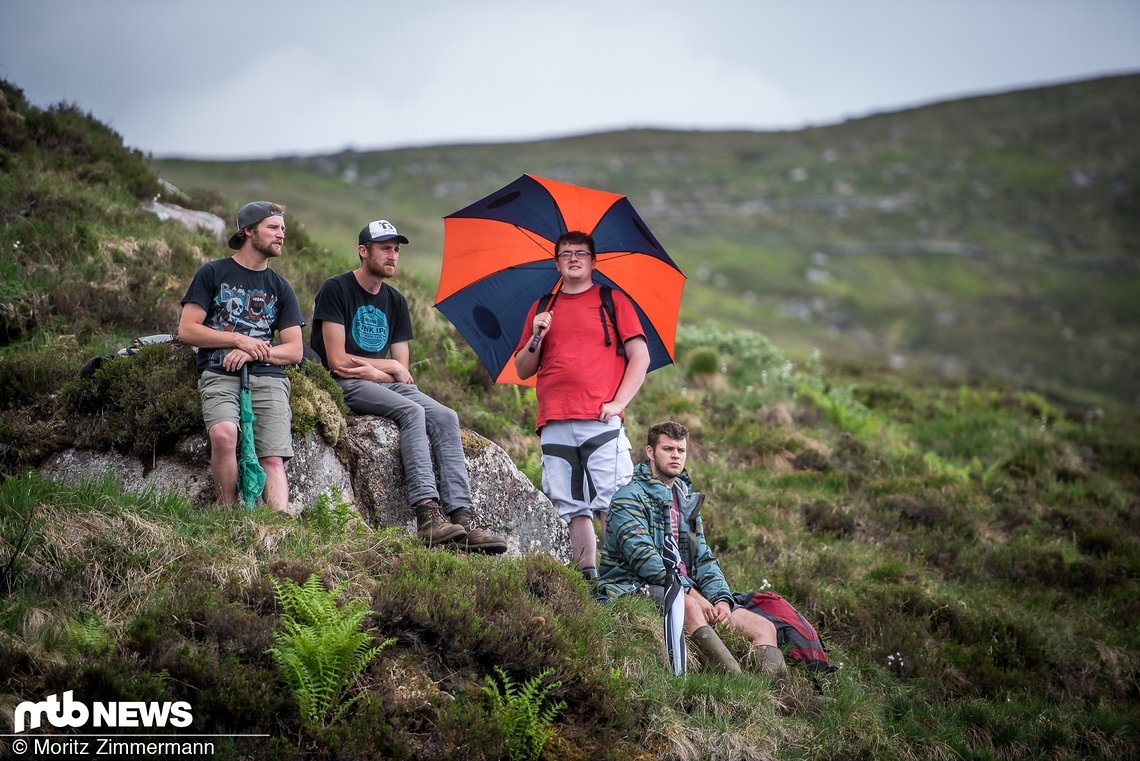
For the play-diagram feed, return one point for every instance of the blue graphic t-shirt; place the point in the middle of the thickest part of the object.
(256, 303)
(372, 323)
(370, 328)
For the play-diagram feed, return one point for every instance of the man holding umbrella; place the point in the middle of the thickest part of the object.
(358, 321)
(586, 379)
(230, 312)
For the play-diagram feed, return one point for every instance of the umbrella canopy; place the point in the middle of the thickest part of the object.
(674, 616)
(251, 476)
(498, 259)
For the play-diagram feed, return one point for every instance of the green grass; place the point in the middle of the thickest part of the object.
(971, 588)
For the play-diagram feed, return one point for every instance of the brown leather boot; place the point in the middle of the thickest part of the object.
(478, 539)
(712, 650)
(432, 528)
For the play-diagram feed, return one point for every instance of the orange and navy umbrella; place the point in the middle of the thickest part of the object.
(498, 259)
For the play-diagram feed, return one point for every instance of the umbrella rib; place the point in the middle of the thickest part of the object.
(529, 234)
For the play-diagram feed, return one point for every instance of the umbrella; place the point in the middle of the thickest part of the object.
(498, 259)
(674, 617)
(251, 476)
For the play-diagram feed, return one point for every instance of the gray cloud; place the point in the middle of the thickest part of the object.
(219, 79)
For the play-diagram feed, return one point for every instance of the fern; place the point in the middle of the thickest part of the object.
(331, 515)
(523, 723)
(321, 649)
(88, 635)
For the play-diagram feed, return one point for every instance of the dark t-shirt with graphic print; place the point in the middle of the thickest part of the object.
(256, 303)
(372, 323)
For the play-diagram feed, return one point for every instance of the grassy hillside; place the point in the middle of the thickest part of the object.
(992, 237)
(968, 550)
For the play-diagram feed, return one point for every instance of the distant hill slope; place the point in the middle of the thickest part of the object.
(993, 236)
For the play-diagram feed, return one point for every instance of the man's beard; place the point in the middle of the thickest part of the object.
(264, 247)
(378, 269)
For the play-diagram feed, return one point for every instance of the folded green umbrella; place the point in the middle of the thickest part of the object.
(251, 476)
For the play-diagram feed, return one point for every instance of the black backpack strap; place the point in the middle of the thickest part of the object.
(607, 294)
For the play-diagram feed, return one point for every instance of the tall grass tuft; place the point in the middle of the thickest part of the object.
(20, 527)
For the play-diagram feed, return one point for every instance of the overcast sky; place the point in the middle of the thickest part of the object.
(213, 79)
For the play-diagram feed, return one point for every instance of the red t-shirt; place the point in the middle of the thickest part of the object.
(577, 372)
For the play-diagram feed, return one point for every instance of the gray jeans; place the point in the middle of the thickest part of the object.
(426, 428)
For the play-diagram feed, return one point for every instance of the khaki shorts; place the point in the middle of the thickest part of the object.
(272, 434)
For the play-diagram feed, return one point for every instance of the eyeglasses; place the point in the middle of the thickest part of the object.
(565, 256)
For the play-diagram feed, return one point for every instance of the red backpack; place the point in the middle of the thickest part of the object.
(794, 634)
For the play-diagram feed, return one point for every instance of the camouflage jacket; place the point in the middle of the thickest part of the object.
(636, 525)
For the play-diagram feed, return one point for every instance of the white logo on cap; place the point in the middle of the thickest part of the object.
(381, 227)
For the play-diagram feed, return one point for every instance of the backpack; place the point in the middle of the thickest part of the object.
(94, 363)
(607, 294)
(794, 634)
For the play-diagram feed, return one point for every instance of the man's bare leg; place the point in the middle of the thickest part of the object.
(583, 542)
(223, 461)
(759, 630)
(276, 493)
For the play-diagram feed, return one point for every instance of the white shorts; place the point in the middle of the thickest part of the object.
(583, 463)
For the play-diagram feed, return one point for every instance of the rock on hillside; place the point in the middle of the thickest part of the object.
(365, 467)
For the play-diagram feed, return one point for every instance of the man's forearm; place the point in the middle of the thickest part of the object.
(635, 369)
(205, 337)
(526, 363)
(285, 354)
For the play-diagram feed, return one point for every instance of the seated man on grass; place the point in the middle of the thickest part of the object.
(660, 501)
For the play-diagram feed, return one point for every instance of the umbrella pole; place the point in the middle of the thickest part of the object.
(241, 433)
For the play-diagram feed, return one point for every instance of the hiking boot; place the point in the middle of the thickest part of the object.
(768, 660)
(432, 528)
(478, 539)
(712, 651)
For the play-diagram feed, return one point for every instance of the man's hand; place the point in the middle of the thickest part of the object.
(541, 323)
(254, 349)
(233, 359)
(609, 410)
(363, 369)
(700, 612)
(722, 613)
(713, 614)
(400, 373)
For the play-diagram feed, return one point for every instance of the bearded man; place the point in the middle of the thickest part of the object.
(361, 330)
(230, 313)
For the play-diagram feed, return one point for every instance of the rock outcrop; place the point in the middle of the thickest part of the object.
(365, 468)
(188, 218)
